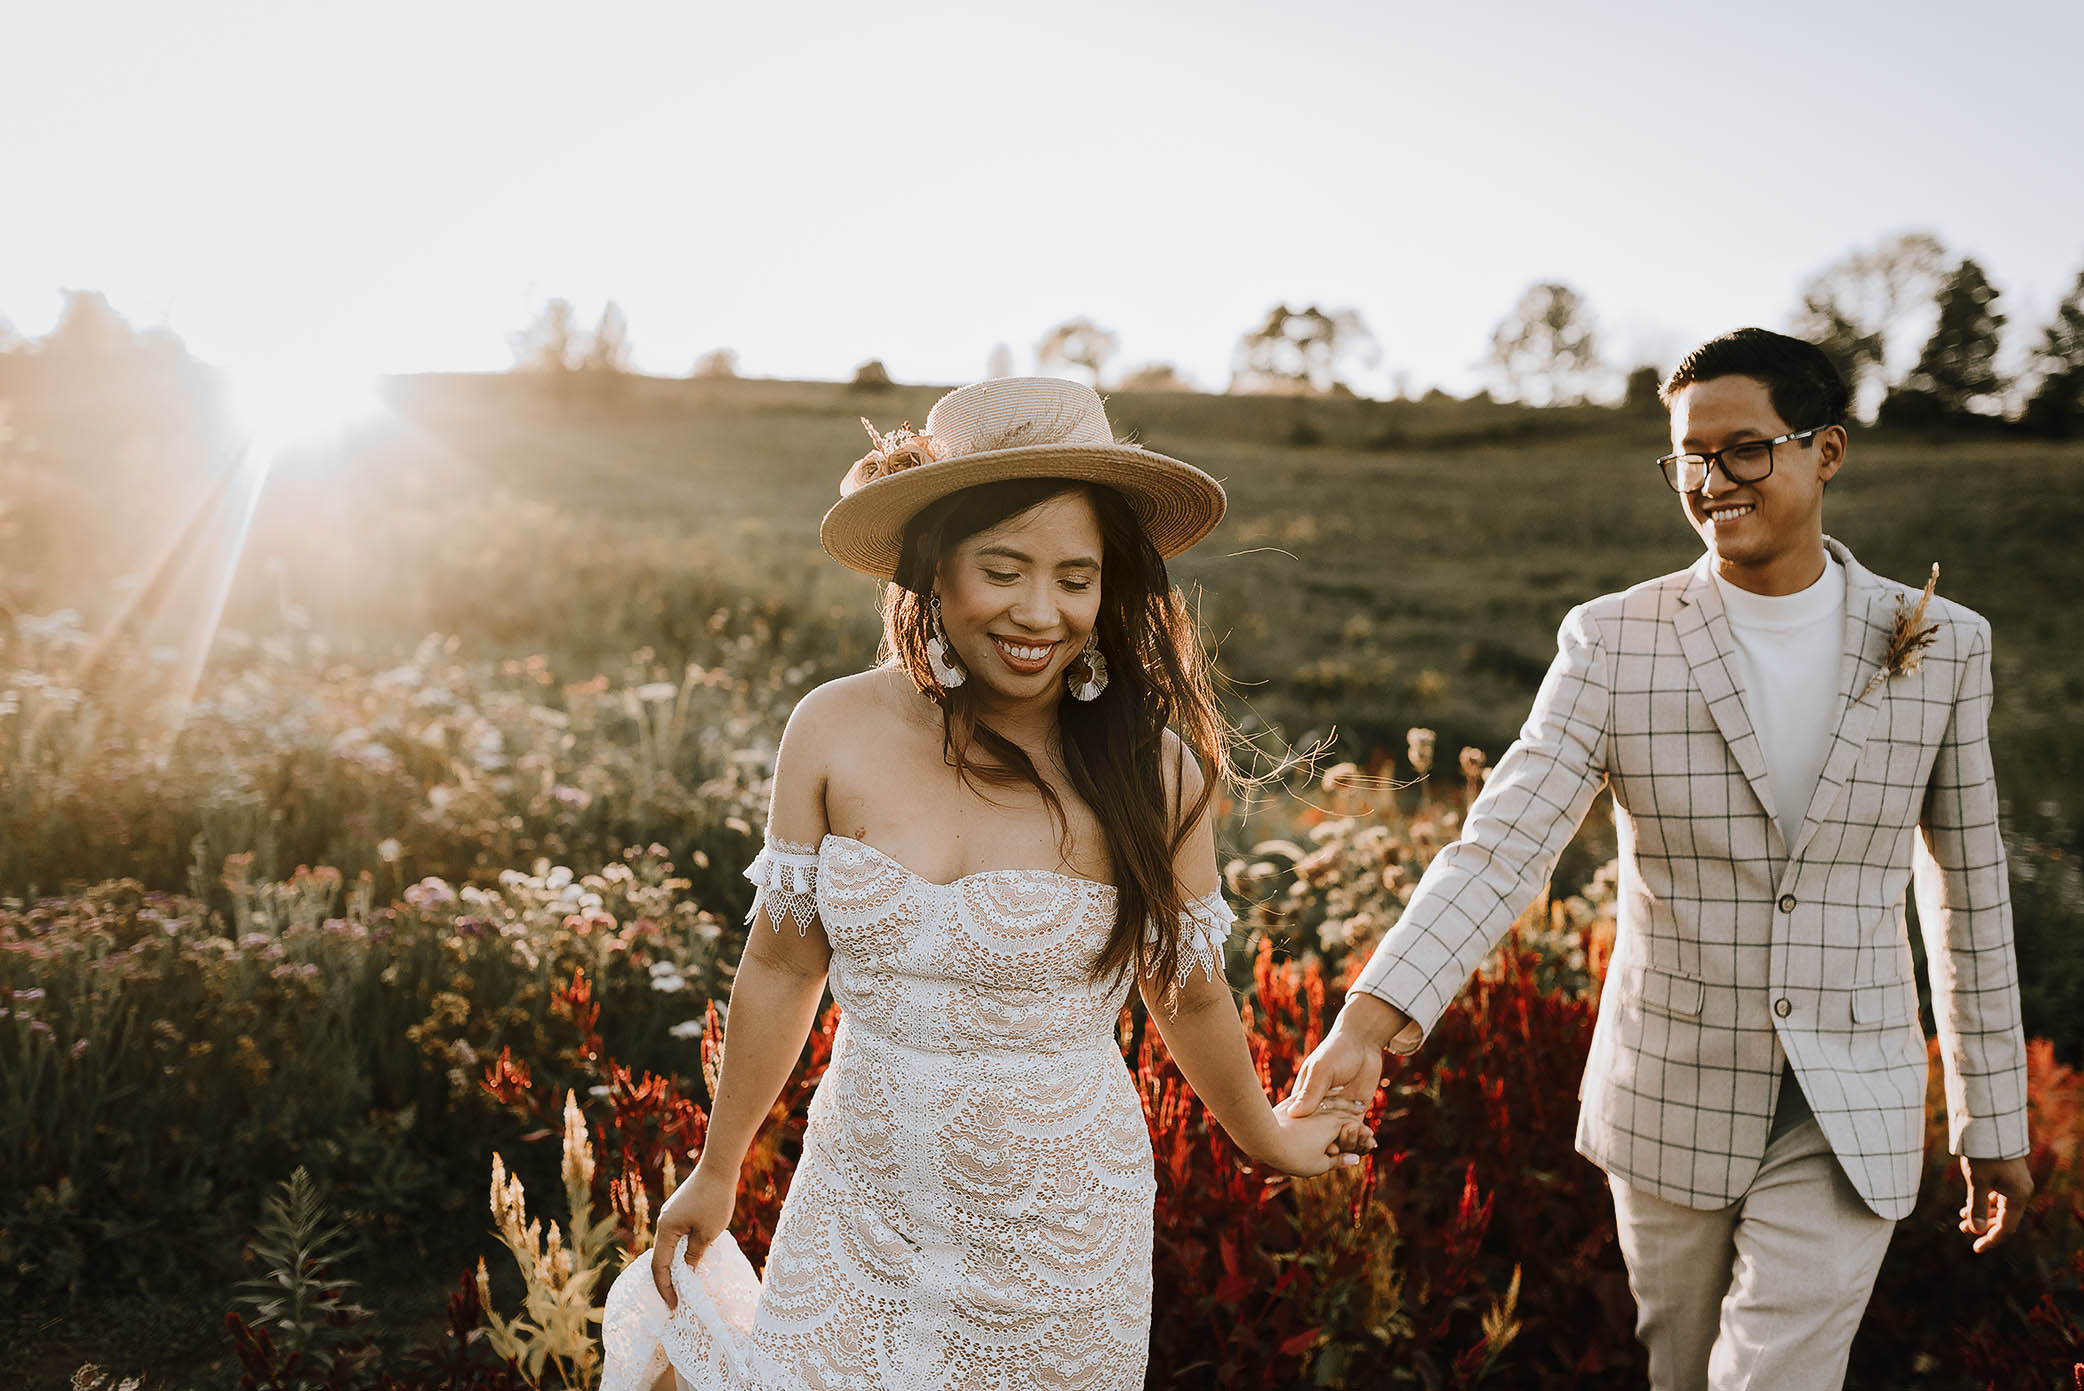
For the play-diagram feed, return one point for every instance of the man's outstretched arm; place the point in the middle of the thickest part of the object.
(1965, 912)
(1476, 887)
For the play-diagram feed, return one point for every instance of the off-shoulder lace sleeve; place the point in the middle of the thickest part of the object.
(786, 875)
(1203, 929)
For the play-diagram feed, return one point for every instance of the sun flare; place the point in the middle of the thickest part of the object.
(283, 406)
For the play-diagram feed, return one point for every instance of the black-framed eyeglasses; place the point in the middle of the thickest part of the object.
(1748, 462)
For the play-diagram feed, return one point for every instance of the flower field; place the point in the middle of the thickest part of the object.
(437, 923)
(172, 1056)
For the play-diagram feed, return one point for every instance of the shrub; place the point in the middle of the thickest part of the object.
(1474, 1247)
(1406, 1261)
(157, 1058)
(311, 1341)
(435, 766)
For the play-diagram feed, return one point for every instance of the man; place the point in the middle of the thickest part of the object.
(1784, 758)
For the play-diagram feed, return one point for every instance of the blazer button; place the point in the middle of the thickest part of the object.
(1781, 1007)
(1787, 903)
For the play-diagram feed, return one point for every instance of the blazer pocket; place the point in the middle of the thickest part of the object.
(1670, 994)
(1890, 1003)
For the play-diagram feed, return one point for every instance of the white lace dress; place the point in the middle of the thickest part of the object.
(973, 1205)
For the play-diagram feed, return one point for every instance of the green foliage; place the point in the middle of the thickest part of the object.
(431, 766)
(2057, 407)
(1855, 308)
(2062, 345)
(608, 351)
(1546, 350)
(1333, 866)
(1301, 350)
(158, 1056)
(1079, 343)
(300, 1297)
(1956, 376)
(218, 1018)
(552, 343)
(1640, 392)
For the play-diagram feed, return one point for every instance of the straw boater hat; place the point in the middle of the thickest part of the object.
(1010, 427)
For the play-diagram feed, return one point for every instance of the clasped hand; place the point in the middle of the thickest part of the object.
(1327, 1137)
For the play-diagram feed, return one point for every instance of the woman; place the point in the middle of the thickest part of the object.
(981, 843)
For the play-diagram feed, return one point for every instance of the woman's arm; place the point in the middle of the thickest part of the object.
(774, 1000)
(1201, 1028)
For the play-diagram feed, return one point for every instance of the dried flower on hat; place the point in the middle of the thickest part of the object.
(1908, 637)
(899, 450)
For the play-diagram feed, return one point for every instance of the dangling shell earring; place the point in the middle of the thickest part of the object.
(1093, 680)
(946, 669)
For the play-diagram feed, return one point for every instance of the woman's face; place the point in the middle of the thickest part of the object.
(1020, 599)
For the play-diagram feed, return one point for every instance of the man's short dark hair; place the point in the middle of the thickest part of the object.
(1799, 377)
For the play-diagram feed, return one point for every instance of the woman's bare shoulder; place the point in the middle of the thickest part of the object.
(1183, 776)
(850, 707)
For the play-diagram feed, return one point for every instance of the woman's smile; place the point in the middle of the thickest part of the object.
(1026, 658)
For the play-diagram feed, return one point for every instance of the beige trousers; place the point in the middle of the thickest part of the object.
(1764, 1295)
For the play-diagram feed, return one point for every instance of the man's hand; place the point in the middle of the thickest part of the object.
(1350, 1058)
(1997, 1194)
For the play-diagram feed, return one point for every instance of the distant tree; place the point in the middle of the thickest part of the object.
(608, 351)
(2062, 344)
(2057, 407)
(1077, 343)
(1545, 350)
(716, 363)
(871, 375)
(1000, 363)
(1153, 376)
(551, 343)
(89, 333)
(1853, 307)
(1640, 392)
(1956, 376)
(1301, 351)
(165, 372)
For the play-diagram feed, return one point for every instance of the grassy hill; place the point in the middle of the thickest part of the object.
(1382, 564)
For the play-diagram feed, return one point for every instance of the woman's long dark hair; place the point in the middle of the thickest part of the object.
(1113, 747)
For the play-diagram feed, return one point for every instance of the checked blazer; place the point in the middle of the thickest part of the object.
(1737, 952)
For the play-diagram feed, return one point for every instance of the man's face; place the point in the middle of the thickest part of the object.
(1762, 525)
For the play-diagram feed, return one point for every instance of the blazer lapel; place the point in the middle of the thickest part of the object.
(1703, 630)
(1868, 619)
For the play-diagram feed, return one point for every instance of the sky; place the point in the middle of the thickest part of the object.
(333, 189)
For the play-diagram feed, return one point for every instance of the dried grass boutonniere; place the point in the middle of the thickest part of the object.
(1908, 638)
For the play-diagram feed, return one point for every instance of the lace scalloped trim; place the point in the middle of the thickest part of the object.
(1204, 927)
(786, 877)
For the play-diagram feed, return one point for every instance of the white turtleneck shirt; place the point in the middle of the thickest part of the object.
(1789, 648)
